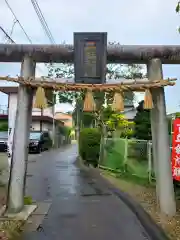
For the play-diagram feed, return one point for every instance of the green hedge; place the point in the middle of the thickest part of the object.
(3, 125)
(89, 145)
(66, 132)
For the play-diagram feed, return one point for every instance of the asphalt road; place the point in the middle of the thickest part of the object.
(82, 207)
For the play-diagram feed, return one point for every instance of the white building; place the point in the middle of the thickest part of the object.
(42, 120)
(130, 112)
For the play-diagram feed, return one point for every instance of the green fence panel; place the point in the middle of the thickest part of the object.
(114, 152)
(137, 162)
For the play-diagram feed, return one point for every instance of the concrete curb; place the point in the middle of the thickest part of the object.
(79, 162)
(153, 230)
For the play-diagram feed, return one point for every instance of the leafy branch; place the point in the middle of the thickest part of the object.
(177, 11)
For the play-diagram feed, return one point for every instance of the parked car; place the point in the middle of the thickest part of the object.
(3, 141)
(39, 141)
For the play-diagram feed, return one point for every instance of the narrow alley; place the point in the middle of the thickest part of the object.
(82, 208)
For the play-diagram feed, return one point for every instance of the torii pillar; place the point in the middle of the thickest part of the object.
(161, 144)
(15, 201)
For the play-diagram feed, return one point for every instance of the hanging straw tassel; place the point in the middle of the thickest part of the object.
(118, 102)
(40, 99)
(49, 95)
(148, 102)
(89, 103)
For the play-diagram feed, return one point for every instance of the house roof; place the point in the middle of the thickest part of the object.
(35, 118)
(63, 116)
(130, 109)
(8, 90)
(63, 113)
(44, 119)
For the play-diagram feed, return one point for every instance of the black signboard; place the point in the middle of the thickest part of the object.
(90, 54)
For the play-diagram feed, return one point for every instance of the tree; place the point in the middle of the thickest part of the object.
(127, 71)
(177, 11)
(87, 118)
(114, 71)
(178, 7)
(117, 123)
(63, 71)
(142, 124)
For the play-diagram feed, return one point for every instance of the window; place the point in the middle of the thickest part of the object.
(35, 135)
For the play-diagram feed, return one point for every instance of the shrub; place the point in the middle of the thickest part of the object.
(28, 200)
(66, 132)
(3, 126)
(89, 145)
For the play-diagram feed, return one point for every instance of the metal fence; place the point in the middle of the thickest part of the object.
(129, 156)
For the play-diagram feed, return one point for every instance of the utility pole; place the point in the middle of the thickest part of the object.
(53, 102)
(53, 130)
(53, 110)
(41, 128)
(78, 118)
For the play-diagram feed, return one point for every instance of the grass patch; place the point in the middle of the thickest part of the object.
(28, 200)
(130, 177)
(10, 229)
(134, 179)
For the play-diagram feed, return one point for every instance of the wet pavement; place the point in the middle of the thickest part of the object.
(82, 207)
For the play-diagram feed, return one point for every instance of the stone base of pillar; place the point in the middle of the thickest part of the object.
(22, 216)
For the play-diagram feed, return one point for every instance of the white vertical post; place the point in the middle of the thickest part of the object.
(11, 123)
(161, 144)
(15, 202)
(53, 130)
(149, 160)
(126, 150)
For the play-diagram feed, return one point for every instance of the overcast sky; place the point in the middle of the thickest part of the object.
(127, 22)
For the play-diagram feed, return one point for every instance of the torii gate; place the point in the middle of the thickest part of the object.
(152, 56)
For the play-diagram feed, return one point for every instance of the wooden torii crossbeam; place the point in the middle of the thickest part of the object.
(168, 54)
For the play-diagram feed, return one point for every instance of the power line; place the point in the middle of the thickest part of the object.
(12, 41)
(7, 35)
(14, 23)
(42, 21)
(18, 21)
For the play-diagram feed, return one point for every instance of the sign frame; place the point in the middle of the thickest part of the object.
(85, 71)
